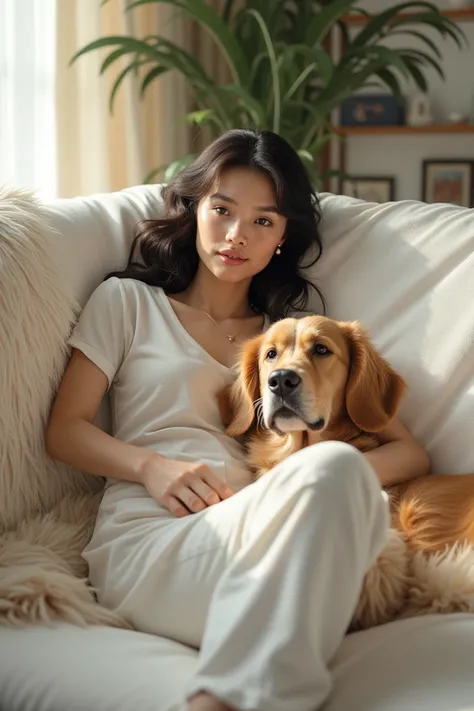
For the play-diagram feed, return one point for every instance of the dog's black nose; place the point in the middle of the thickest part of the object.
(283, 382)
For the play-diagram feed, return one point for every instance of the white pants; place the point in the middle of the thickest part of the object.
(264, 583)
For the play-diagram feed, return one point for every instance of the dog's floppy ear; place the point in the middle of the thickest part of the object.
(236, 402)
(374, 389)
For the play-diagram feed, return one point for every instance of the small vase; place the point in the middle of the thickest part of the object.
(419, 110)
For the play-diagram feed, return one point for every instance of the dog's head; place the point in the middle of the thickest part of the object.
(307, 374)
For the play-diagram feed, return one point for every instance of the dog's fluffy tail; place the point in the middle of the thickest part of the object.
(437, 512)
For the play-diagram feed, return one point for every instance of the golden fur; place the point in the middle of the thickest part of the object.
(347, 391)
(435, 511)
(356, 388)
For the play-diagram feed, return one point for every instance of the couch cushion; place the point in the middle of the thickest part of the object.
(424, 663)
(92, 235)
(95, 669)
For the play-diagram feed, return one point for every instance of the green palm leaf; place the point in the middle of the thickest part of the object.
(227, 12)
(206, 117)
(113, 57)
(127, 44)
(443, 25)
(300, 80)
(390, 57)
(391, 81)
(422, 58)
(315, 55)
(376, 25)
(184, 60)
(274, 69)
(208, 18)
(417, 75)
(171, 170)
(151, 76)
(419, 35)
(323, 21)
(254, 107)
(132, 66)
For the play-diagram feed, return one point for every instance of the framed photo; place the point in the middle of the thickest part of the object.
(448, 181)
(371, 189)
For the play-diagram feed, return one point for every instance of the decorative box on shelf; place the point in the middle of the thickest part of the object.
(372, 110)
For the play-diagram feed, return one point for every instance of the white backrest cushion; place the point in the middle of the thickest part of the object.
(94, 234)
(405, 269)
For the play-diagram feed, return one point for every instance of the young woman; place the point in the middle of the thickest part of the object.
(263, 577)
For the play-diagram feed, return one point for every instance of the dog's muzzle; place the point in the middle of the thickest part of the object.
(285, 388)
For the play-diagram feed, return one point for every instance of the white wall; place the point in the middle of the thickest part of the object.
(402, 155)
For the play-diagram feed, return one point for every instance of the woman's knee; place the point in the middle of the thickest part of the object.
(333, 465)
(330, 478)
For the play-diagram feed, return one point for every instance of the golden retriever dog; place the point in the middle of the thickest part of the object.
(313, 379)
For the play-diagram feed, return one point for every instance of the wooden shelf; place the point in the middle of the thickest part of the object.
(465, 15)
(386, 130)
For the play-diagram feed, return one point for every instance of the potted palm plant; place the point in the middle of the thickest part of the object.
(282, 76)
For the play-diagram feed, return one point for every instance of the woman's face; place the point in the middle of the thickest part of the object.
(238, 225)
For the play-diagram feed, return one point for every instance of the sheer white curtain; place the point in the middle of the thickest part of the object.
(27, 95)
(98, 152)
(56, 134)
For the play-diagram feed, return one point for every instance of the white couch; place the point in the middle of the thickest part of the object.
(407, 270)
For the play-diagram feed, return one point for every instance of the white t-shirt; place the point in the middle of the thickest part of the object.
(162, 383)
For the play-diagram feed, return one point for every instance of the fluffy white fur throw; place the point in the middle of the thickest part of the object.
(46, 509)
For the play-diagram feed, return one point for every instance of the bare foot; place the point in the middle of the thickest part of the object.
(205, 702)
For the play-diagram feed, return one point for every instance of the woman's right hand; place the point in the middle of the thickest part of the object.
(183, 487)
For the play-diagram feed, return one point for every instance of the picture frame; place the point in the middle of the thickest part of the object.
(448, 181)
(369, 188)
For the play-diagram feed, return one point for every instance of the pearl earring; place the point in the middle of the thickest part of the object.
(278, 249)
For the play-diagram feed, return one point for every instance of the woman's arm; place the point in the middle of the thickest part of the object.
(72, 438)
(400, 457)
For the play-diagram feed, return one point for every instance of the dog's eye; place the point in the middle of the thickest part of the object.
(271, 354)
(320, 350)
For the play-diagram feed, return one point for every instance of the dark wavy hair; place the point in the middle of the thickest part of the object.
(164, 251)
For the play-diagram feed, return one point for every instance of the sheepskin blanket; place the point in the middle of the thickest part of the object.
(47, 509)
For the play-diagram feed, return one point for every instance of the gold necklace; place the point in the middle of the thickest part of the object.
(231, 339)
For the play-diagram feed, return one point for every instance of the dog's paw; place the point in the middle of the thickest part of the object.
(385, 585)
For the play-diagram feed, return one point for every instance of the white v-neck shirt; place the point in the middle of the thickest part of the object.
(162, 383)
